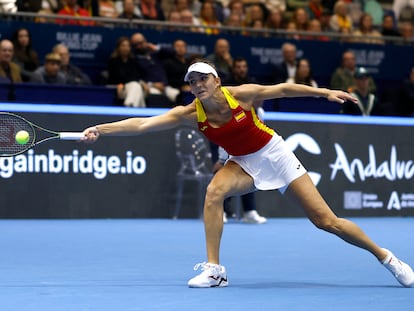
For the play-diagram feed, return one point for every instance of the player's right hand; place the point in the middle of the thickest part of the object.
(90, 135)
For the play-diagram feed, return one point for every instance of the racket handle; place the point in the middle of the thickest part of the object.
(71, 135)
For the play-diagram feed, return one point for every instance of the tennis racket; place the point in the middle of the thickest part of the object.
(12, 124)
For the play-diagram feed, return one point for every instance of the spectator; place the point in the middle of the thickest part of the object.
(275, 19)
(366, 33)
(72, 8)
(150, 59)
(24, 54)
(176, 68)
(235, 7)
(343, 77)
(340, 20)
(188, 18)
(208, 18)
(255, 12)
(367, 103)
(221, 58)
(405, 106)
(314, 9)
(128, 10)
(303, 74)
(233, 20)
(107, 9)
(72, 73)
(325, 20)
(301, 19)
(49, 73)
(287, 68)
(407, 32)
(315, 27)
(388, 26)
(124, 73)
(9, 71)
(151, 10)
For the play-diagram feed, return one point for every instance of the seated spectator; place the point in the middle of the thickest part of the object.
(24, 54)
(208, 18)
(72, 73)
(124, 73)
(367, 103)
(128, 9)
(407, 32)
(236, 7)
(340, 20)
(303, 74)
(343, 77)
(176, 68)
(255, 12)
(301, 19)
(405, 106)
(150, 63)
(72, 8)
(314, 9)
(221, 58)
(275, 19)
(188, 18)
(50, 72)
(9, 71)
(315, 27)
(151, 10)
(388, 26)
(366, 32)
(107, 9)
(287, 67)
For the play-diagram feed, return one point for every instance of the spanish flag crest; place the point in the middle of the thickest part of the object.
(240, 116)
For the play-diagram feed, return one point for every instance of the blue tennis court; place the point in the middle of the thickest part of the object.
(144, 264)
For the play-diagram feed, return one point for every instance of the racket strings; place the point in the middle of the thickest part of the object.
(9, 126)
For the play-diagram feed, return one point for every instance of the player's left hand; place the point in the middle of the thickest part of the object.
(340, 96)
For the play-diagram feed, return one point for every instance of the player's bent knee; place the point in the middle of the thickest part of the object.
(214, 194)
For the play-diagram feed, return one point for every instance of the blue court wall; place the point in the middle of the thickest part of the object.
(362, 166)
(91, 47)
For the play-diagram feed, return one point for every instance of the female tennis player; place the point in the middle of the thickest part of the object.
(259, 159)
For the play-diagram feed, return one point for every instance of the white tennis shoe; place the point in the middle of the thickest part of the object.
(212, 276)
(253, 217)
(401, 271)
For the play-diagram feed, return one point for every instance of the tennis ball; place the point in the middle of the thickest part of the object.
(22, 137)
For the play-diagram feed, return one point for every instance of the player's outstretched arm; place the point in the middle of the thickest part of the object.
(181, 115)
(263, 92)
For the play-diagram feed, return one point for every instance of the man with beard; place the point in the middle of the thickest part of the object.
(150, 65)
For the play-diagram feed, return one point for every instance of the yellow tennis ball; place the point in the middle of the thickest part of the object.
(22, 137)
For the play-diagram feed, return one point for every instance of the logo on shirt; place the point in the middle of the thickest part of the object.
(240, 116)
(203, 128)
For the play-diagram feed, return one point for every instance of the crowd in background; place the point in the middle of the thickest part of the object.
(145, 74)
(364, 20)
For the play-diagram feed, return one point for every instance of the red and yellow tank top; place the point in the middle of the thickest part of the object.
(243, 134)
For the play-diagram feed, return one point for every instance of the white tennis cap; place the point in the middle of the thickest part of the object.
(201, 68)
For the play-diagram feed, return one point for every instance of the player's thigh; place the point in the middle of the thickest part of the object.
(303, 193)
(232, 180)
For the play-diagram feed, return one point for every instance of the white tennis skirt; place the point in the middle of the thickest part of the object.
(274, 166)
